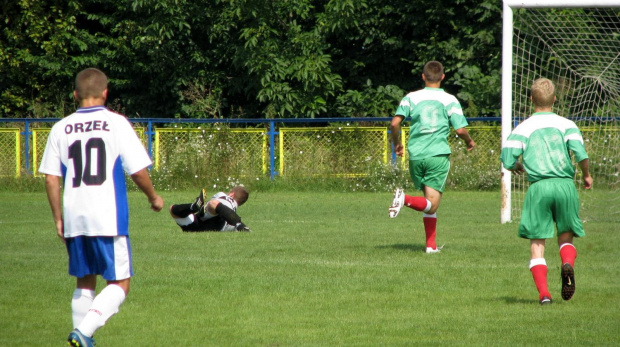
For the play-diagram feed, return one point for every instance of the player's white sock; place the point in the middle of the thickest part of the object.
(105, 305)
(185, 221)
(428, 207)
(537, 261)
(80, 304)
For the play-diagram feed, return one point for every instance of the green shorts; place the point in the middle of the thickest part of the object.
(431, 172)
(548, 202)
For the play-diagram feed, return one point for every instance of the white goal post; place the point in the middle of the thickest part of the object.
(607, 63)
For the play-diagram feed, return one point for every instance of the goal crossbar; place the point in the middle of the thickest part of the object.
(561, 3)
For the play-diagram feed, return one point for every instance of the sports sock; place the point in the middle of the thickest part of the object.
(80, 304)
(185, 220)
(181, 210)
(568, 253)
(430, 228)
(228, 214)
(417, 203)
(538, 267)
(105, 305)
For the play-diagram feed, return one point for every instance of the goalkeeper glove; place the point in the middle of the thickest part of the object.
(242, 227)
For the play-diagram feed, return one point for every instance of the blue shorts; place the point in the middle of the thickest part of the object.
(108, 256)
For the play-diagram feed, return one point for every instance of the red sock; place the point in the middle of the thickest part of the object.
(418, 203)
(539, 272)
(568, 253)
(430, 228)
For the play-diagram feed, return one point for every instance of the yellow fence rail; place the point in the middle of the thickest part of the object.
(341, 152)
(39, 139)
(10, 150)
(220, 152)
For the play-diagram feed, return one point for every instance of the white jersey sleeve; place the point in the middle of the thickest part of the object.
(92, 149)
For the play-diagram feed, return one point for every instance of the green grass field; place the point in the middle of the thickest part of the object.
(319, 269)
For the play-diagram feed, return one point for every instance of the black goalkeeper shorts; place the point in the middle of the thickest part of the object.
(212, 224)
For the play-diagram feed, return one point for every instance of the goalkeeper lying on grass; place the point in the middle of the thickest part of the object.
(216, 214)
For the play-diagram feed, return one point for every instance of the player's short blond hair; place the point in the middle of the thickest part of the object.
(543, 92)
(433, 71)
(90, 83)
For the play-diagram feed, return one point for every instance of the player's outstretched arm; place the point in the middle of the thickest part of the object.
(584, 165)
(143, 181)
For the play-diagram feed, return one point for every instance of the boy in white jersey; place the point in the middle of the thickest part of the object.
(218, 213)
(431, 112)
(88, 153)
(544, 141)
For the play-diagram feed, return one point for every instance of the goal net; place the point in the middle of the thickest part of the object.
(576, 44)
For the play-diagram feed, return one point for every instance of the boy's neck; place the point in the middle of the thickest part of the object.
(543, 109)
(91, 102)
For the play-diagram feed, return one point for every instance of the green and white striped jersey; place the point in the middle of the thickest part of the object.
(544, 140)
(431, 112)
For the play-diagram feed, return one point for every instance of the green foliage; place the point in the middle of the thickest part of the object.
(287, 56)
(370, 101)
(38, 44)
(25, 184)
(247, 58)
(204, 101)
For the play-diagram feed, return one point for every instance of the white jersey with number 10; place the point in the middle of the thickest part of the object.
(92, 149)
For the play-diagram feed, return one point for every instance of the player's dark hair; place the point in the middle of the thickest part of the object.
(241, 194)
(90, 83)
(433, 70)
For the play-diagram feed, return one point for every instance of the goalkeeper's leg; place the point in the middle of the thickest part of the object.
(230, 216)
(182, 214)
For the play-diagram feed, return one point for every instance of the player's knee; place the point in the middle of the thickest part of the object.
(212, 205)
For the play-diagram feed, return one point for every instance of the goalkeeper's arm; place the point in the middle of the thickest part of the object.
(230, 216)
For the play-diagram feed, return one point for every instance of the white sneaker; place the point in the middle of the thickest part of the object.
(430, 250)
(397, 203)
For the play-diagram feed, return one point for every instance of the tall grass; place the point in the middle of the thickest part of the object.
(319, 269)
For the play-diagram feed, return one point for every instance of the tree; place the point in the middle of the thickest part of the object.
(386, 44)
(248, 58)
(37, 51)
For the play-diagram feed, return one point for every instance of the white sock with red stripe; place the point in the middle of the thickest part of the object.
(538, 267)
(105, 305)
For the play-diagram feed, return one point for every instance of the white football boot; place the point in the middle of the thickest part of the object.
(397, 203)
(430, 250)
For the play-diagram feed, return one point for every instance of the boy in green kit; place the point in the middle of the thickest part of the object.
(544, 141)
(431, 112)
